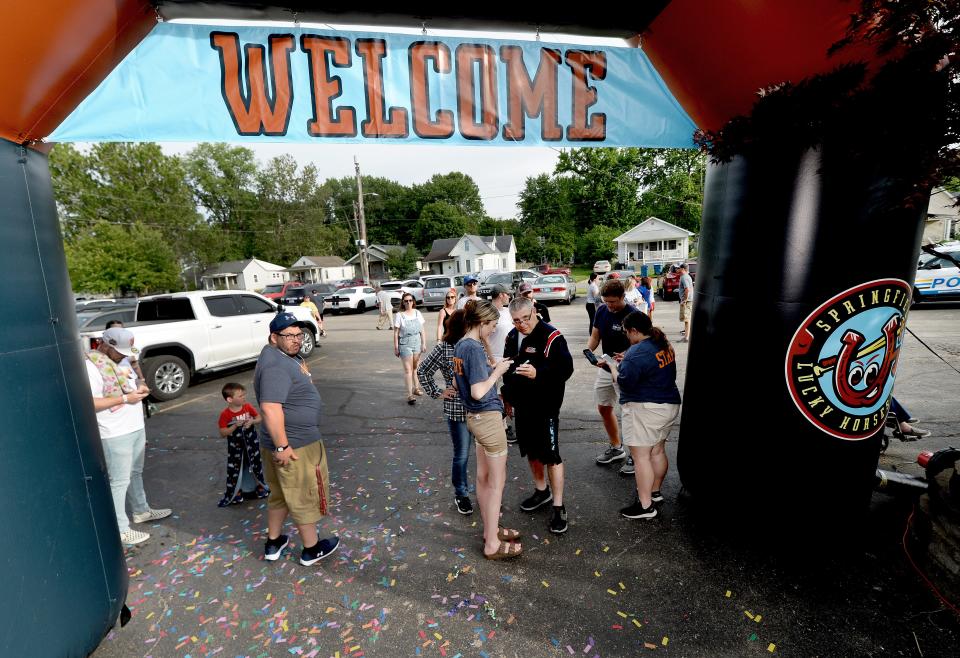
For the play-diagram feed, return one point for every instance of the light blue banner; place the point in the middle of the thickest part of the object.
(246, 84)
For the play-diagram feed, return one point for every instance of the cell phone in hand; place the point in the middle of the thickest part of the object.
(591, 357)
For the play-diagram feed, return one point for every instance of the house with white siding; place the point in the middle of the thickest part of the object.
(321, 269)
(250, 274)
(472, 253)
(653, 242)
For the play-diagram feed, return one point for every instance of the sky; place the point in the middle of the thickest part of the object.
(499, 172)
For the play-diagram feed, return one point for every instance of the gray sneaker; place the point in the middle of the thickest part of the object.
(627, 468)
(611, 455)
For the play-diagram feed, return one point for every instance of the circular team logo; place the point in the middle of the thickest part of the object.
(842, 360)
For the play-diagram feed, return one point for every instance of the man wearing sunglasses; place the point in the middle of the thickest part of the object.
(470, 285)
(533, 391)
(294, 457)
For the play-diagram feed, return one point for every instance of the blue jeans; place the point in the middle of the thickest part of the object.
(461, 455)
(897, 410)
(124, 456)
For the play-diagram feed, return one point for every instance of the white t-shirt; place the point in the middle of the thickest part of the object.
(498, 338)
(463, 301)
(119, 420)
(400, 319)
(636, 299)
(383, 297)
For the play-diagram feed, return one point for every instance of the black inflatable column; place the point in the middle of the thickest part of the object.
(64, 567)
(807, 261)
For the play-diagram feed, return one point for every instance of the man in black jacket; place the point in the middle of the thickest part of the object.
(533, 391)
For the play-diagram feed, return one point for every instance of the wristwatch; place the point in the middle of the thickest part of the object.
(282, 448)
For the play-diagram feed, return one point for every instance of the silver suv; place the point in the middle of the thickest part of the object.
(435, 288)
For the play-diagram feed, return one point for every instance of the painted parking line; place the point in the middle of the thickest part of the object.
(175, 406)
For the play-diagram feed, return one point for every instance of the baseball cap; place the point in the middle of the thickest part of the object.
(281, 321)
(613, 275)
(498, 289)
(470, 279)
(121, 340)
(525, 287)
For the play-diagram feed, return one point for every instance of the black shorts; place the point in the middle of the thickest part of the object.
(538, 437)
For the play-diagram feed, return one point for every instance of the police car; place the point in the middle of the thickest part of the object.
(938, 273)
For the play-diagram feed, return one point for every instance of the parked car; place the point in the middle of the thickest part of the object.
(359, 299)
(100, 305)
(555, 288)
(277, 291)
(510, 280)
(91, 320)
(188, 333)
(350, 283)
(435, 288)
(601, 266)
(296, 294)
(938, 275)
(669, 280)
(412, 286)
(547, 268)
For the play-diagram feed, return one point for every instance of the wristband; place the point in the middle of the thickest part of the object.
(124, 398)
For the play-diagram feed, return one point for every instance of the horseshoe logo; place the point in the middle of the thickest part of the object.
(842, 361)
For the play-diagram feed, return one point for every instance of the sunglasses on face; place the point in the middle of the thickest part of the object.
(407, 300)
(451, 296)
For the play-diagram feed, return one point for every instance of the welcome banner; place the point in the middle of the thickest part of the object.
(239, 84)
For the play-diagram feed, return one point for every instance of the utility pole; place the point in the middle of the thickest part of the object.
(364, 265)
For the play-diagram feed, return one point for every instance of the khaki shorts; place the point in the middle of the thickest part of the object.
(303, 486)
(488, 432)
(686, 310)
(645, 424)
(603, 391)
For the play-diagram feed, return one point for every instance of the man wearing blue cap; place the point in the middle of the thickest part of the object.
(294, 458)
(470, 284)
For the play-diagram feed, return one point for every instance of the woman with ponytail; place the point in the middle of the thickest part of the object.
(647, 379)
(477, 383)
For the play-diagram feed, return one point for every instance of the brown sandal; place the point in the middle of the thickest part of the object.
(506, 551)
(508, 534)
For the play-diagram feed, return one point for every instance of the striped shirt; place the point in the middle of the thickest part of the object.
(441, 358)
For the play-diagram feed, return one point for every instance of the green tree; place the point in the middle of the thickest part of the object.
(401, 262)
(438, 219)
(596, 244)
(117, 259)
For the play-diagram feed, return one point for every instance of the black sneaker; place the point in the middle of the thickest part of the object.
(627, 468)
(611, 455)
(511, 435)
(558, 524)
(656, 496)
(318, 551)
(273, 547)
(464, 506)
(638, 511)
(538, 499)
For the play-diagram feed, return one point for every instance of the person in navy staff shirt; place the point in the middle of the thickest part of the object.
(608, 332)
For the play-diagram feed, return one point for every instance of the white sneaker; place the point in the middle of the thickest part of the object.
(131, 537)
(151, 515)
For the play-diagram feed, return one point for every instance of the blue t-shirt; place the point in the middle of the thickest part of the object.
(613, 339)
(280, 378)
(646, 294)
(470, 367)
(648, 374)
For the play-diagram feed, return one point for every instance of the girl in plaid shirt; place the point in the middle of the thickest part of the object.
(441, 358)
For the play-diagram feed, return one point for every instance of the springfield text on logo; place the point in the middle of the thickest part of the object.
(842, 361)
(259, 107)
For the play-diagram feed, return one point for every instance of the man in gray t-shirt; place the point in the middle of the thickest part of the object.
(294, 457)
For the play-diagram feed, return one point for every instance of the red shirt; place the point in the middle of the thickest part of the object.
(229, 417)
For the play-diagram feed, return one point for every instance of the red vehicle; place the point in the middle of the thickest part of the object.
(670, 280)
(547, 268)
(278, 290)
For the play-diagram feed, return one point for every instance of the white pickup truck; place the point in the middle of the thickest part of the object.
(183, 334)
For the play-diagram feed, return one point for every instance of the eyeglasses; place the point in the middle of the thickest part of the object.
(298, 336)
(526, 320)
(405, 301)
(451, 296)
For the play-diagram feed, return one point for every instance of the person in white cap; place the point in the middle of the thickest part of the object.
(117, 394)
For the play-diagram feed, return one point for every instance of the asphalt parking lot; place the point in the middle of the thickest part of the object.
(410, 580)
